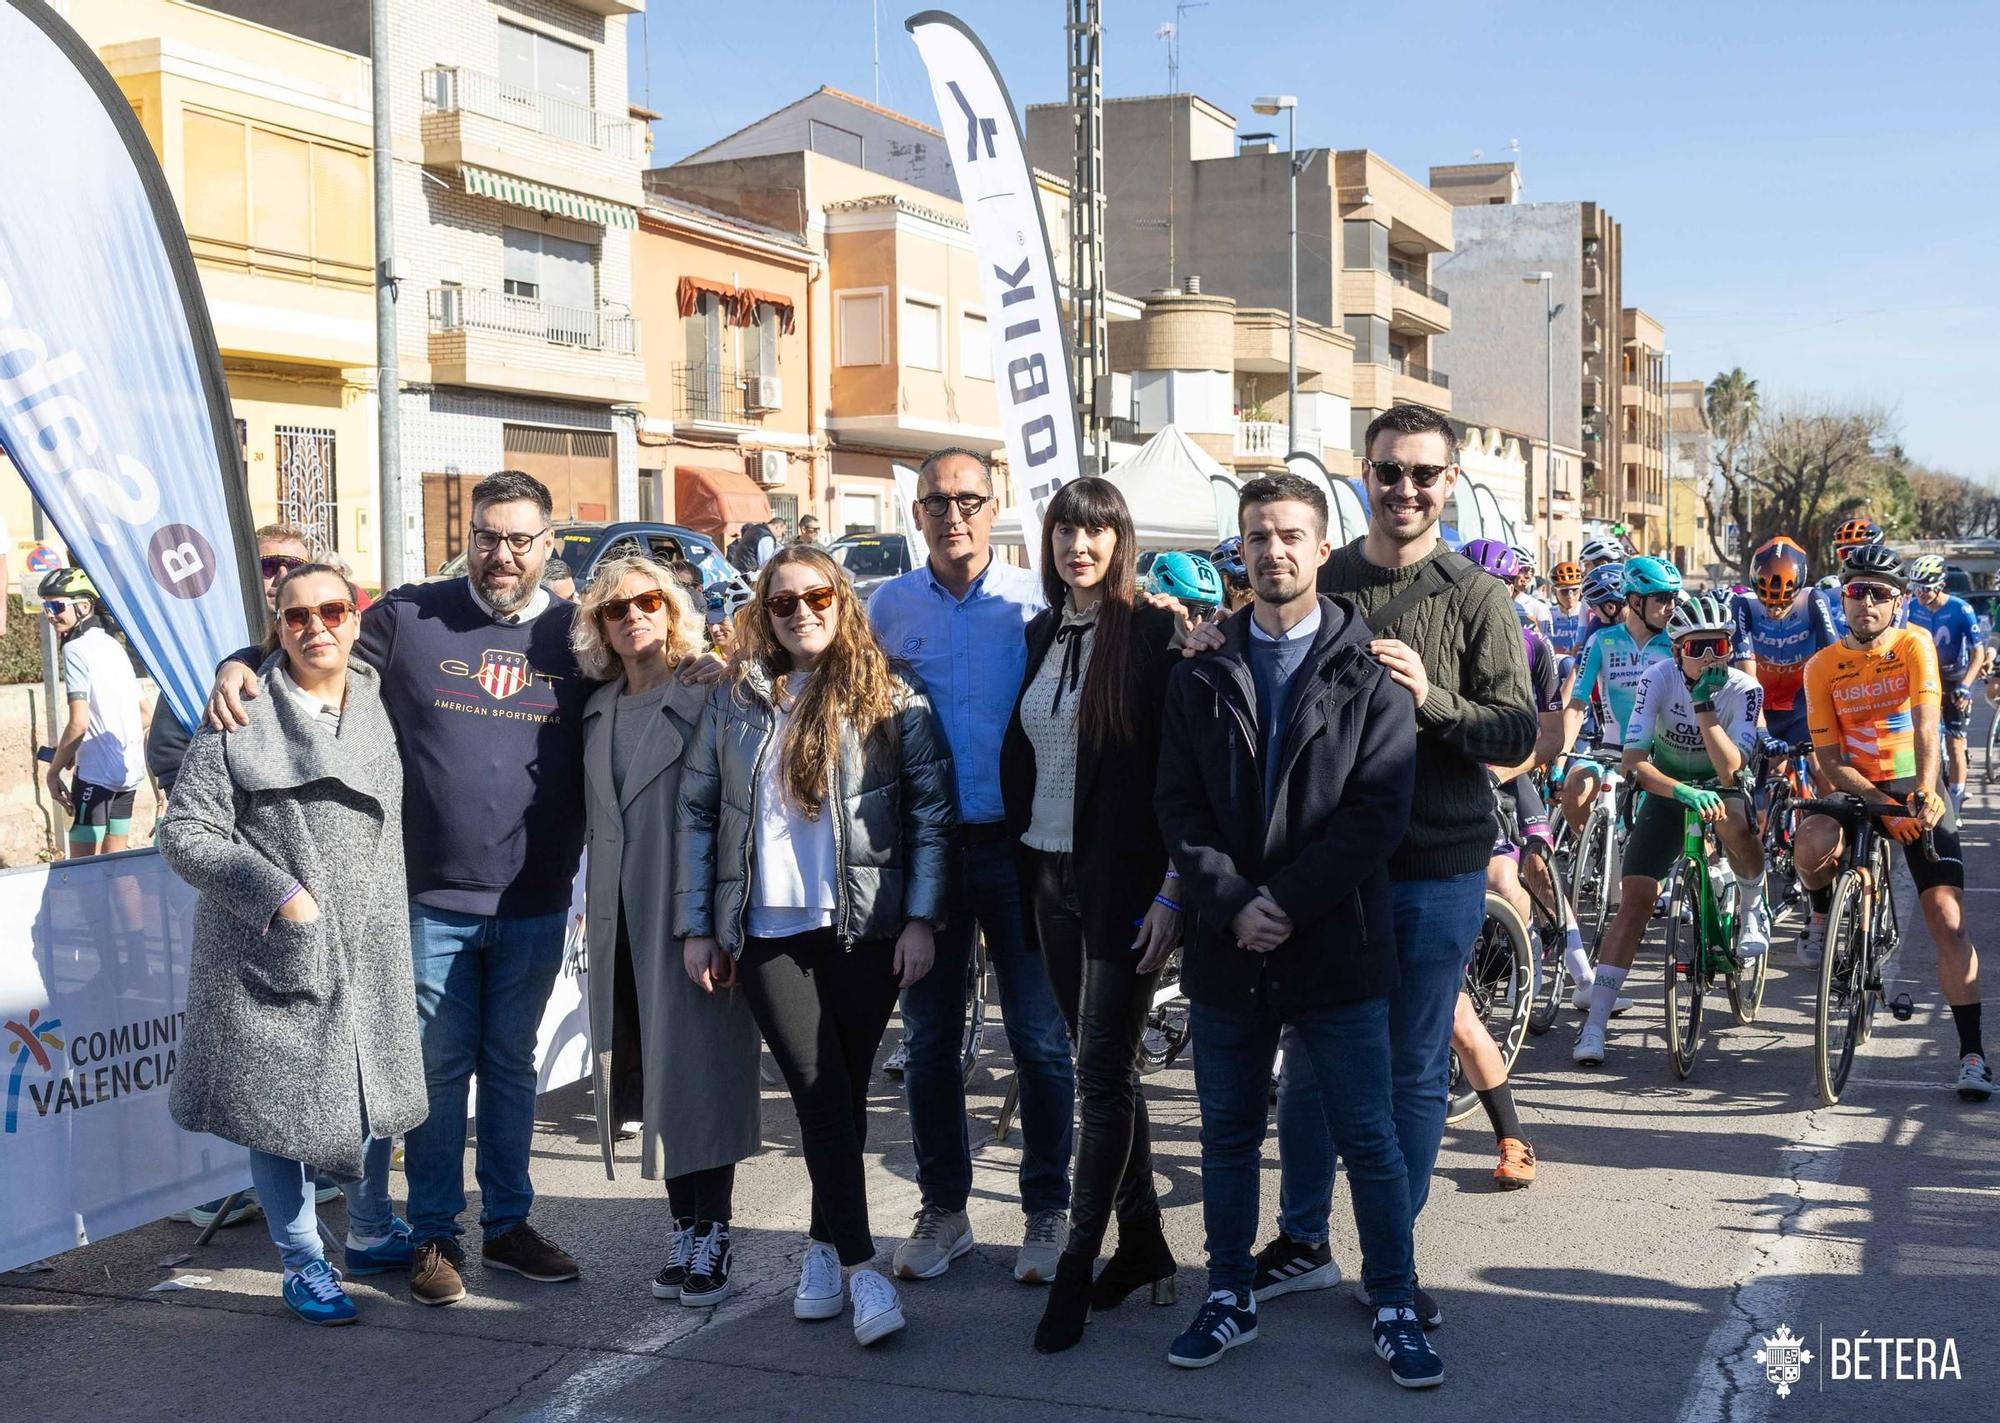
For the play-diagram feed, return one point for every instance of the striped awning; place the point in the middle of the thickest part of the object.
(522, 193)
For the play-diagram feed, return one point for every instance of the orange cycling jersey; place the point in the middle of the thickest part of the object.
(1862, 704)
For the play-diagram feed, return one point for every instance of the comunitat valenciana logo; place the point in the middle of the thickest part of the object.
(35, 1043)
(1858, 1358)
(85, 1068)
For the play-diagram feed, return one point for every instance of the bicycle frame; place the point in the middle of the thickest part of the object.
(1716, 936)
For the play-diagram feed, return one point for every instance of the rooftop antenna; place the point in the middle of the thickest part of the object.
(1170, 32)
(875, 28)
(1086, 224)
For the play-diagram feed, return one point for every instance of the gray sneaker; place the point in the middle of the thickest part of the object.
(1041, 1247)
(940, 1237)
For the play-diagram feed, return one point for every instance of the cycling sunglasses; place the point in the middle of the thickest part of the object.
(1870, 592)
(613, 610)
(277, 565)
(330, 615)
(783, 605)
(1389, 473)
(1703, 647)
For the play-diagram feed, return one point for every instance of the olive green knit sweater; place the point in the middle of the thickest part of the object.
(1480, 711)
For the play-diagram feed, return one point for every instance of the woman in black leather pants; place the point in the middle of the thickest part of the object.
(1077, 772)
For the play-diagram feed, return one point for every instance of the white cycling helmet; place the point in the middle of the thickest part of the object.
(1527, 558)
(1927, 572)
(1701, 613)
(1605, 550)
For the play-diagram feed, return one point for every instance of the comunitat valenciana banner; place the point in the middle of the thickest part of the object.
(1016, 270)
(112, 402)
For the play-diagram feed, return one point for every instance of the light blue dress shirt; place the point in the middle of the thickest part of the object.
(971, 653)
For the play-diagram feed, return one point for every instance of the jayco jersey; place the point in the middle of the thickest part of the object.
(1782, 646)
(1567, 631)
(1663, 722)
(1612, 665)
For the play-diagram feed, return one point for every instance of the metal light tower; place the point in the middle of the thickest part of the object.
(1086, 227)
(388, 441)
(1547, 280)
(1288, 104)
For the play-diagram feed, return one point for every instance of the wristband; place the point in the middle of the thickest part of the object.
(1164, 902)
(1173, 873)
(1704, 707)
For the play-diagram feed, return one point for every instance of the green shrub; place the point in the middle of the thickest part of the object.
(21, 647)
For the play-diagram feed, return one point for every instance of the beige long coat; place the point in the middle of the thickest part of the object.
(701, 1050)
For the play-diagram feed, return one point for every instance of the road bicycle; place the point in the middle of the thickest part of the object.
(1500, 980)
(1167, 1033)
(1702, 920)
(1780, 797)
(1550, 929)
(978, 993)
(1990, 772)
(1597, 861)
(1862, 937)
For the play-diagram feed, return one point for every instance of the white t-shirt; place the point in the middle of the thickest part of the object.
(96, 670)
(795, 864)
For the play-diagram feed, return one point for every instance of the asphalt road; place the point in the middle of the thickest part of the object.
(1675, 1226)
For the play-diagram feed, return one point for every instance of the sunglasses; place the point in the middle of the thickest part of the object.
(783, 605)
(1704, 647)
(937, 505)
(1870, 593)
(1389, 473)
(613, 610)
(330, 615)
(277, 565)
(58, 606)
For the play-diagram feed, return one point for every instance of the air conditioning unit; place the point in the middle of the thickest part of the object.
(763, 392)
(768, 466)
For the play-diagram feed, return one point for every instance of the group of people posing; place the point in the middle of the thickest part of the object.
(385, 812)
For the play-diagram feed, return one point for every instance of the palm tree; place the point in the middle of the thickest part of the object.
(1732, 417)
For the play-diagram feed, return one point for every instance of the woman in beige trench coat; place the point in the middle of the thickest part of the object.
(697, 1045)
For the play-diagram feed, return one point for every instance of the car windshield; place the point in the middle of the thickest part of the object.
(872, 558)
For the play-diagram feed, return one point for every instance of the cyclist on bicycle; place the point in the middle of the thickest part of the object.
(1228, 560)
(1962, 655)
(1614, 660)
(1854, 534)
(1778, 629)
(1569, 618)
(1601, 553)
(1873, 700)
(1533, 610)
(1689, 738)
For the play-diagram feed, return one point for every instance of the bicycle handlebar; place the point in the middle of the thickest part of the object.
(1848, 809)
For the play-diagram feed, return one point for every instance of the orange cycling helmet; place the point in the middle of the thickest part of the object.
(1778, 571)
(1568, 575)
(1855, 533)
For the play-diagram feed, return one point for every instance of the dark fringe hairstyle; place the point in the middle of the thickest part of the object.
(1104, 714)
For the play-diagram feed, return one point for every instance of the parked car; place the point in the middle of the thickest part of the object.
(871, 559)
(584, 546)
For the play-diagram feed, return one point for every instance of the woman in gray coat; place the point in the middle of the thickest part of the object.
(680, 1060)
(301, 1033)
(815, 810)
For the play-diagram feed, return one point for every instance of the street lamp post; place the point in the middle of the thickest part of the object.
(1667, 444)
(1289, 105)
(1547, 280)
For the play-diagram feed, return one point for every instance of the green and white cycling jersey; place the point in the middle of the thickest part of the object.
(1612, 666)
(1663, 723)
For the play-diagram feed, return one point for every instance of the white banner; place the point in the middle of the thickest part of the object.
(1016, 269)
(906, 490)
(93, 991)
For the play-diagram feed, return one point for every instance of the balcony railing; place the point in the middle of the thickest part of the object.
(1416, 371)
(449, 89)
(712, 393)
(1262, 439)
(1419, 286)
(469, 309)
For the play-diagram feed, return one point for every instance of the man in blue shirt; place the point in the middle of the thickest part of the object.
(960, 622)
(1961, 653)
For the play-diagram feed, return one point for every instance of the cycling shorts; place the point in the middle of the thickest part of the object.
(100, 811)
(1788, 726)
(1955, 714)
(1948, 869)
(1658, 832)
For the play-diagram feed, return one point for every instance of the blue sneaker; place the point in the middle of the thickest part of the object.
(1220, 1325)
(1400, 1340)
(394, 1252)
(314, 1295)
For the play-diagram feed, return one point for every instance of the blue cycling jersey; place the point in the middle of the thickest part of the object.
(1568, 631)
(1782, 646)
(1954, 627)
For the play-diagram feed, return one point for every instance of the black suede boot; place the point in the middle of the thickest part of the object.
(1068, 1309)
(1142, 1258)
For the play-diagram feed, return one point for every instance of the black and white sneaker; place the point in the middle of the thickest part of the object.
(707, 1279)
(1429, 1312)
(1287, 1266)
(667, 1284)
(1400, 1342)
(1223, 1322)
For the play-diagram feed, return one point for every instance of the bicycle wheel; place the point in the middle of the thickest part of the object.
(975, 1008)
(1837, 1022)
(1590, 889)
(1992, 746)
(1887, 932)
(1746, 986)
(1500, 981)
(1779, 876)
(1167, 1033)
(1551, 937)
(1684, 975)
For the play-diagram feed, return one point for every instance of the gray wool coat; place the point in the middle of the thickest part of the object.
(291, 1027)
(702, 1099)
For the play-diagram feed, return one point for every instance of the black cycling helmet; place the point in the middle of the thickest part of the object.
(66, 583)
(1875, 563)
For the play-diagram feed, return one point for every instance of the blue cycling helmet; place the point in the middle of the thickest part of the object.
(1648, 575)
(1228, 558)
(1186, 576)
(1495, 557)
(1604, 584)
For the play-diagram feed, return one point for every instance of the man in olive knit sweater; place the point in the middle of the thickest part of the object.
(1459, 653)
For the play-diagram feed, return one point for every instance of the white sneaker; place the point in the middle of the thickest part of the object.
(820, 1293)
(878, 1312)
(1589, 1049)
(1812, 943)
(1975, 1078)
(897, 1061)
(1753, 934)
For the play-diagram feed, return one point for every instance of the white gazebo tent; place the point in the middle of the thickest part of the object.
(1169, 486)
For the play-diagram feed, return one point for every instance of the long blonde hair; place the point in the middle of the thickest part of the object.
(586, 634)
(851, 687)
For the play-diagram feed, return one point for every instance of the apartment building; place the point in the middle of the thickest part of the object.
(1190, 199)
(1514, 367)
(264, 136)
(517, 193)
(1689, 470)
(1642, 429)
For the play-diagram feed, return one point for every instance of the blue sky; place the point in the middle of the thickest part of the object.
(1808, 190)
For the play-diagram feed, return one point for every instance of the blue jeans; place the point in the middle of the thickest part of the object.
(1348, 1045)
(482, 983)
(1436, 923)
(285, 1190)
(986, 889)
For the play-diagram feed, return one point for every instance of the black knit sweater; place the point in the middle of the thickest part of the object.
(1480, 711)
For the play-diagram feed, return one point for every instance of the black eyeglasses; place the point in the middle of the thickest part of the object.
(783, 605)
(613, 610)
(1870, 592)
(937, 505)
(487, 540)
(277, 565)
(1704, 647)
(331, 615)
(1389, 473)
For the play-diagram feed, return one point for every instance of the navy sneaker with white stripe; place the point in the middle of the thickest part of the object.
(1399, 1339)
(1223, 1322)
(1287, 1266)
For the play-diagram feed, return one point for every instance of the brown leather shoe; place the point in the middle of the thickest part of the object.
(525, 1252)
(434, 1277)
